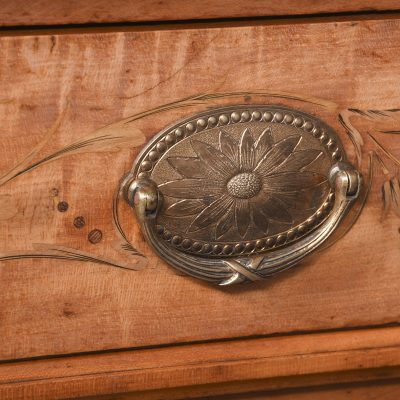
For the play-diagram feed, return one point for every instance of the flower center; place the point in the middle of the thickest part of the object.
(244, 185)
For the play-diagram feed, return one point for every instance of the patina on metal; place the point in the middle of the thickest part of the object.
(240, 193)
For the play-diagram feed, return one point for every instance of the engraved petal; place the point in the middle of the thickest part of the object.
(242, 216)
(191, 188)
(246, 151)
(228, 146)
(264, 143)
(213, 158)
(225, 223)
(278, 154)
(185, 207)
(304, 199)
(299, 160)
(188, 167)
(292, 181)
(212, 213)
(273, 208)
(259, 219)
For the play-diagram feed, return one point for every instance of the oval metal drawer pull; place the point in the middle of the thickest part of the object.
(241, 193)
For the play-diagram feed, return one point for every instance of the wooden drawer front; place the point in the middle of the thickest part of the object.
(57, 89)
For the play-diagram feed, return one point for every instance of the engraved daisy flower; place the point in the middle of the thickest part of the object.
(241, 184)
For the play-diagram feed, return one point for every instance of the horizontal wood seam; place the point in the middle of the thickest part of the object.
(58, 29)
(210, 341)
(353, 352)
(391, 333)
(199, 364)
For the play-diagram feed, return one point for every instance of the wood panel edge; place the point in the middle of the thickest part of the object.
(59, 30)
(265, 363)
(293, 385)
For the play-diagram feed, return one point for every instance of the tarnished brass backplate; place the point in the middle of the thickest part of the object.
(218, 190)
(241, 180)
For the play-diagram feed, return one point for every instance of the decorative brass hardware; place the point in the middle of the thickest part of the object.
(240, 193)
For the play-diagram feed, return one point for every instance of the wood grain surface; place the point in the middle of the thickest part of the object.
(52, 12)
(368, 391)
(372, 390)
(191, 371)
(65, 87)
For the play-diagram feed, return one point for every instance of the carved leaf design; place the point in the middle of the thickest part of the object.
(391, 196)
(387, 198)
(395, 190)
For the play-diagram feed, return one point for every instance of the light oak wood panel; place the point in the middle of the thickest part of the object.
(368, 391)
(57, 307)
(375, 390)
(51, 12)
(196, 370)
(387, 390)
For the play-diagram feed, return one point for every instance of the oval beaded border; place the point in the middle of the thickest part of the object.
(252, 246)
(247, 114)
(199, 124)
